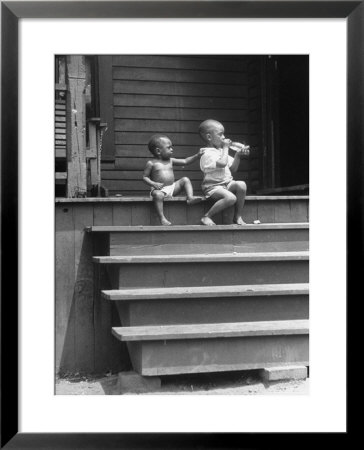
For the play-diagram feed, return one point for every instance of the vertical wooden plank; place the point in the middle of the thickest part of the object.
(107, 105)
(228, 216)
(84, 289)
(282, 212)
(121, 214)
(195, 213)
(103, 214)
(102, 320)
(218, 217)
(266, 211)
(61, 70)
(298, 210)
(250, 211)
(76, 120)
(154, 219)
(140, 213)
(177, 213)
(64, 283)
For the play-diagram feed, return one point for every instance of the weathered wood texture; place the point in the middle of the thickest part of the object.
(140, 211)
(200, 239)
(83, 320)
(217, 304)
(76, 124)
(220, 354)
(213, 273)
(211, 330)
(172, 95)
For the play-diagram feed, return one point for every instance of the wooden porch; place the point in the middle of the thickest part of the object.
(85, 315)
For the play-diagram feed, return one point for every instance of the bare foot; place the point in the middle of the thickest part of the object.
(194, 200)
(207, 221)
(164, 221)
(239, 221)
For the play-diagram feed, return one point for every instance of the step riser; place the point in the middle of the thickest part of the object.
(267, 211)
(213, 310)
(209, 274)
(170, 357)
(179, 242)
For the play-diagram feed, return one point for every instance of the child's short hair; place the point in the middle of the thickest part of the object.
(205, 126)
(154, 142)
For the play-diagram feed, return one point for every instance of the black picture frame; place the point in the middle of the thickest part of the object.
(11, 12)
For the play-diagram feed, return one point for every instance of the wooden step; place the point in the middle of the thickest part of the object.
(127, 210)
(206, 269)
(159, 240)
(208, 331)
(210, 304)
(165, 350)
(208, 257)
(206, 291)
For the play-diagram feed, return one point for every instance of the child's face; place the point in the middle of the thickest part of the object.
(215, 136)
(165, 149)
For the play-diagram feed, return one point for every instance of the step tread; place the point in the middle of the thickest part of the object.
(148, 199)
(207, 291)
(208, 257)
(215, 330)
(202, 228)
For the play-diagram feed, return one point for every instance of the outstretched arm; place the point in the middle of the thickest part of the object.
(187, 161)
(146, 176)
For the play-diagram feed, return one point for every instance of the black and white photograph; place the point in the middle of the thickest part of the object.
(181, 224)
(181, 221)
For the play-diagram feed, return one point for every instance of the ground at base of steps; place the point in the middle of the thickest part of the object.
(240, 383)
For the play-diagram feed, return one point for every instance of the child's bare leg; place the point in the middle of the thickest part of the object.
(223, 199)
(158, 198)
(184, 184)
(239, 189)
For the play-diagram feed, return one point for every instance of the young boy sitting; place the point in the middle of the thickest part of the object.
(158, 174)
(217, 165)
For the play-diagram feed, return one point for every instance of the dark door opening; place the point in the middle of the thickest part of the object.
(287, 121)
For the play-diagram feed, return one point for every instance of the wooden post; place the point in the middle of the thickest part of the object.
(76, 121)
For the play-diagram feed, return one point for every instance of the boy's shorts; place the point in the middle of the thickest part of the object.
(212, 189)
(167, 190)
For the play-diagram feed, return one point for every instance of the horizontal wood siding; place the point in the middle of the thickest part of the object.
(172, 95)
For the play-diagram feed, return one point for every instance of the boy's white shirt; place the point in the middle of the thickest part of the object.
(210, 156)
(214, 175)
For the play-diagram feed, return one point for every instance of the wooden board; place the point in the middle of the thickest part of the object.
(196, 228)
(140, 215)
(84, 291)
(121, 214)
(213, 310)
(64, 284)
(216, 355)
(203, 258)
(206, 291)
(214, 241)
(178, 76)
(180, 62)
(179, 89)
(172, 111)
(212, 273)
(170, 101)
(142, 138)
(76, 122)
(211, 331)
(173, 126)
